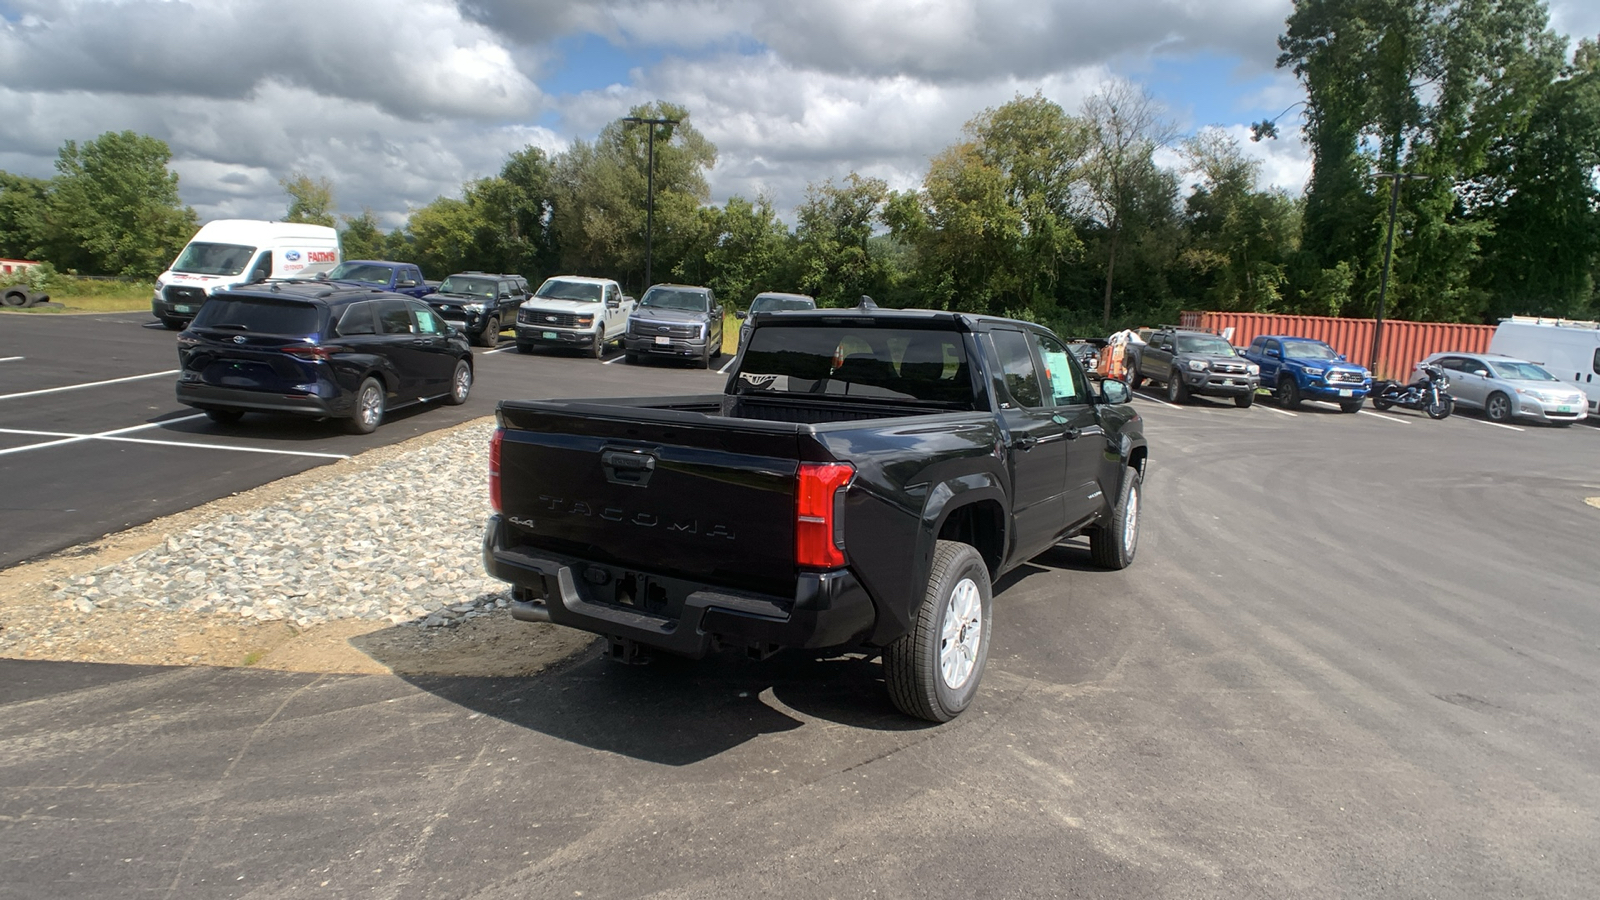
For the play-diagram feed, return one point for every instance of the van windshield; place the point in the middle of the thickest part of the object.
(213, 259)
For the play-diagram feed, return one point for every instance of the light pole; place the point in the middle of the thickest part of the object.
(649, 187)
(1395, 178)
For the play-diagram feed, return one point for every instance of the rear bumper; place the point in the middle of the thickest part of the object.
(205, 396)
(828, 609)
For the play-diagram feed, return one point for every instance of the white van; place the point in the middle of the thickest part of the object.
(1568, 350)
(239, 251)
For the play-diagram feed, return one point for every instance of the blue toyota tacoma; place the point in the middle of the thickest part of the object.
(1297, 368)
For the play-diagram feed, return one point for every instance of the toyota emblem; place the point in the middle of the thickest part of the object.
(238, 339)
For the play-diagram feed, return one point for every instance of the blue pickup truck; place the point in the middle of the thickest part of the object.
(1297, 368)
(401, 278)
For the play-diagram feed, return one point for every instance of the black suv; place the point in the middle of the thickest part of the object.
(480, 302)
(325, 350)
(1195, 362)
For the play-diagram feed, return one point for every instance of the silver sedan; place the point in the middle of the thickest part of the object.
(1506, 388)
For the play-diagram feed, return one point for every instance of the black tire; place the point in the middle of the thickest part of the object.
(368, 412)
(718, 353)
(704, 362)
(1378, 402)
(597, 347)
(524, 347)
(1135, 380)
(1442, 409)
(173, 324)
(1177, 391)
(14, 298)
(490, 335)
(1287, 393)
(915, 664)
(225, 416)
(460, 384)
(1114, 544)
(1245, 401)
(1350, 406)
(1497, 408)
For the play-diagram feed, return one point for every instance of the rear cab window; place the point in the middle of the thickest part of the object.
(902, 364)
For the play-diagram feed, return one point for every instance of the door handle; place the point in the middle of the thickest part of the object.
(1025, 442)
(1072, 433)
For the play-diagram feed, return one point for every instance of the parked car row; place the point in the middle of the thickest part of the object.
(1505, 383)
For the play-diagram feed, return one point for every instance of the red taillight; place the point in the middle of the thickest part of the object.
(312, 352)
(819, 514)
(494, 468)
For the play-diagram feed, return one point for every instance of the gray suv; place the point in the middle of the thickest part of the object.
(1195, 363)
(675, 321)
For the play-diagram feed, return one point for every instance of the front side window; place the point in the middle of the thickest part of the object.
(1016, 367)
(1060, 375)
(427, 322)
(213, 259)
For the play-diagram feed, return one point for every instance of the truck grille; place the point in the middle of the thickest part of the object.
(547, 319)
(1345, 376)
(670, 329)
(177, 294)
(1229, 368)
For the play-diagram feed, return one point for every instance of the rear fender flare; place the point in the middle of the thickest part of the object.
(944, 500)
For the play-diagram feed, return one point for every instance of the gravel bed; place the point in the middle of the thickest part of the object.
(398, 541)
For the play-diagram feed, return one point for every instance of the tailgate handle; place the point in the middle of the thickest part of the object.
(628, 467)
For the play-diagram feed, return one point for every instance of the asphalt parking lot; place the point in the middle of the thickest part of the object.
(92, 440)
(1357, 656)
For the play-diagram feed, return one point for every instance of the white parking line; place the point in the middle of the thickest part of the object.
(1281, 412)
(117, 436)
(614, 359)
(1386, 417)
(1495, 424)
(75, 387)
(11, 358)
(499, 349)
(726, 366)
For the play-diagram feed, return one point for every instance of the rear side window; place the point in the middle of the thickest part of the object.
(1016, 367)
(358, 319)
(259, 315)
(869, 363)
(394, 318)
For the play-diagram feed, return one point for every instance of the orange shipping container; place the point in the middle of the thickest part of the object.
(1404, 343)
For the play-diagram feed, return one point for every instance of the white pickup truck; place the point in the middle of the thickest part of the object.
(574, 311)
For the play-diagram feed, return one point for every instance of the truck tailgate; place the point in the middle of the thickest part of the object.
(658, 490)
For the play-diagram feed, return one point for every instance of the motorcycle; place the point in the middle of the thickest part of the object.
(1426, 394)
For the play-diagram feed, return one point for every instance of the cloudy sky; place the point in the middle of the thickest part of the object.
(397, 102)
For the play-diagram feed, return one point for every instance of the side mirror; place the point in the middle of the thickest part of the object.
(1481, 373)
(1274, 354)
(1114, 392)
(1341, 358)
(613, 303)
(739, 314)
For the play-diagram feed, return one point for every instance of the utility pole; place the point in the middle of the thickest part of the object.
(649, 187)
(1395, 178)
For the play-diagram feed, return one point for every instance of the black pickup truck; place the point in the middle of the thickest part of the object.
(861, 482)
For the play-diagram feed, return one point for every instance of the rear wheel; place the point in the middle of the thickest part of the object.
(1135, 380)
(1244, 401)
(225, 416)
(368, 414)
(1288, 393)
(1497, 408)
(460, 384)
(933, 672)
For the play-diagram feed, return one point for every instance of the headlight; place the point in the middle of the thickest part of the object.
(1198, 365)
(1315, 373)
(585, 321)
(159, 285)
(1253, 369)
(1540, 396)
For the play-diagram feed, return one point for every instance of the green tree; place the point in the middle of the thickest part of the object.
(23, 202)
(1125, 128)
(310, 200)
(993, 224)
(835, 258)
(361, 238)
(746, 254)
(1237, 237)
(599, 197)
(114, 207)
